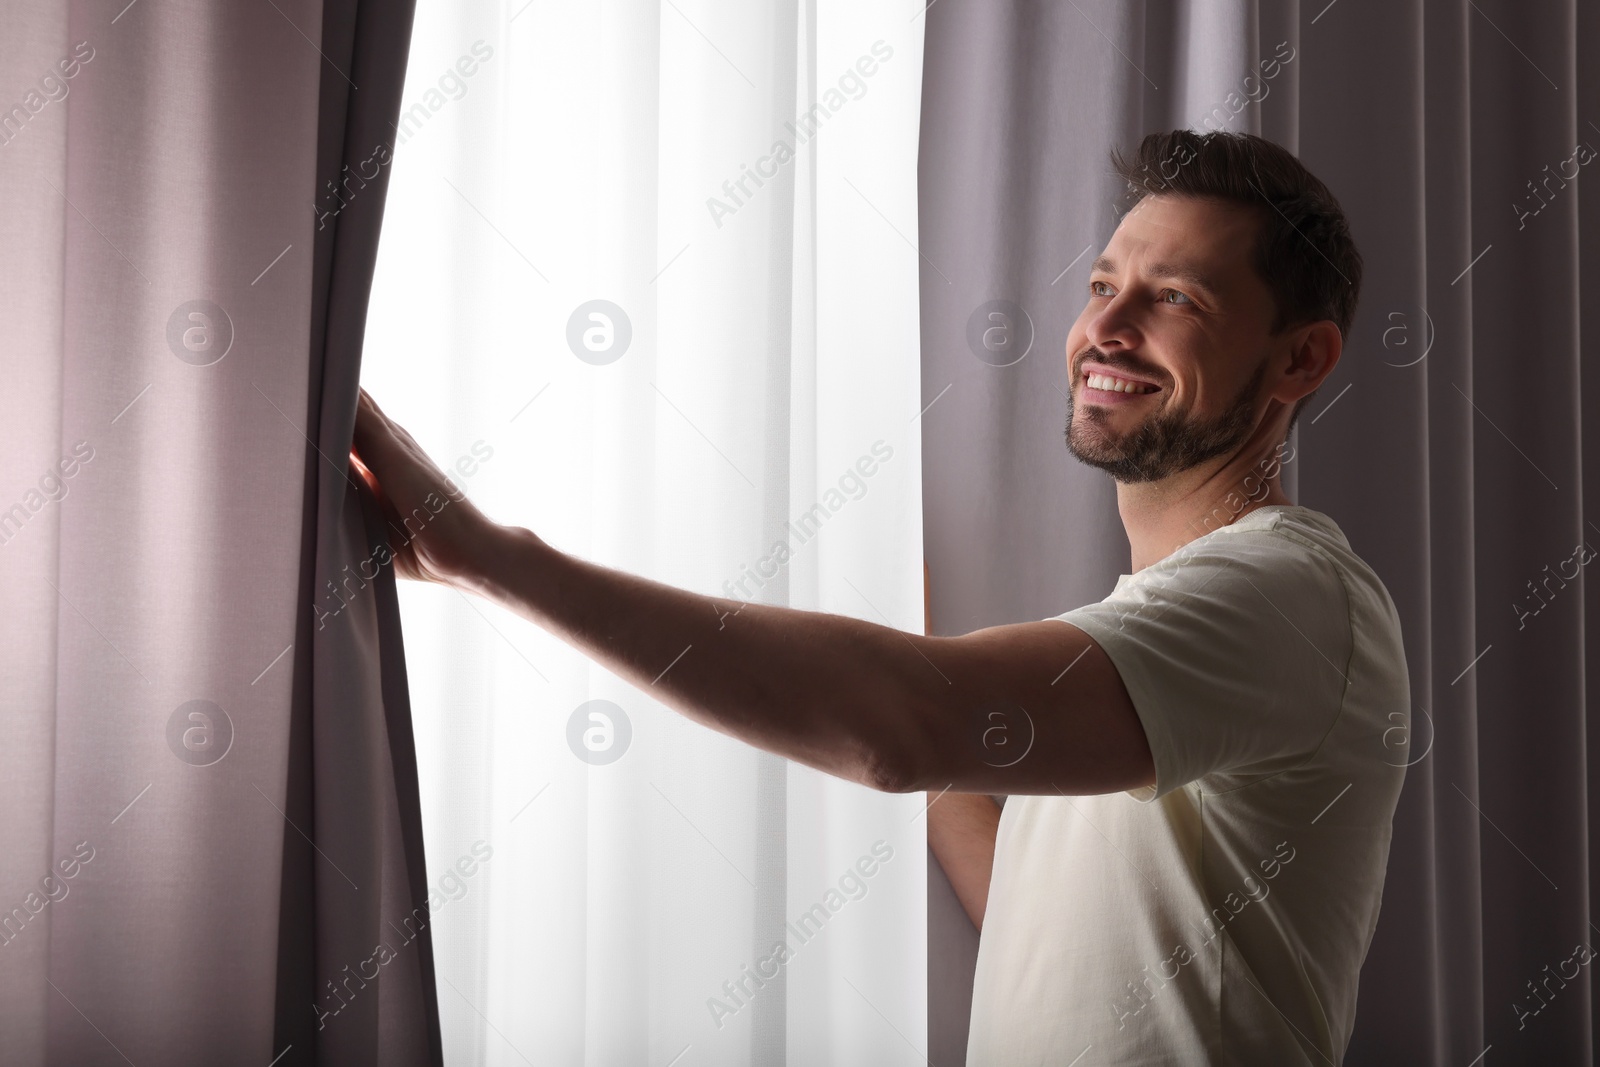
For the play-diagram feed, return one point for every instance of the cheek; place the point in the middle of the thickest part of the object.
(1197, 380)
(1078, 334)
(1077, 341)
(1212, 396)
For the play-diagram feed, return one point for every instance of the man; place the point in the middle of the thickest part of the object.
(1202, 768)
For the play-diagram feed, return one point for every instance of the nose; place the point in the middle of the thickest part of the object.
(1112, 326)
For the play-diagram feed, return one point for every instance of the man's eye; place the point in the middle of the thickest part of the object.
(1094, 290)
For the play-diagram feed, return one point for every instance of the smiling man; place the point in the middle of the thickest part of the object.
(1202, 768)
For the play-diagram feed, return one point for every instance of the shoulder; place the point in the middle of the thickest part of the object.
(1266, 559)
(1266, 590)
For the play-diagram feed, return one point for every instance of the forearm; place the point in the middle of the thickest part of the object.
(961, 831)
(982, 712)
(835, 693)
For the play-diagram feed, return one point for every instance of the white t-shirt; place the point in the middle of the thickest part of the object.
(1222, 915)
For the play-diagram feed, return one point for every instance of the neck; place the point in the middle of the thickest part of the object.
(1161, 517)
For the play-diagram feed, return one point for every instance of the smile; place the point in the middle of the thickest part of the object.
(1106, 384)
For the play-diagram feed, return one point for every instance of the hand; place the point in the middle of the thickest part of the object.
(433, 528)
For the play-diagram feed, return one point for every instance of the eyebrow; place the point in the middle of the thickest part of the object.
(1177, 271)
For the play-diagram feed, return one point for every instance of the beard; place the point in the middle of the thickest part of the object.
(1167, 442)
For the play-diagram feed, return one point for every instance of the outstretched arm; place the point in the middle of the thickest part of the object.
(998, 710)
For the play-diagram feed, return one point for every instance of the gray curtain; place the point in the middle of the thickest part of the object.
(1449, 444)
(207, 768)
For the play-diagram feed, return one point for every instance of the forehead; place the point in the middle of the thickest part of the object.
(1214, 237)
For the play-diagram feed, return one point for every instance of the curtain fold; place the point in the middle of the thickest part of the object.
(212, 798)
(361, 785)
(1449, 444)
(625, 318)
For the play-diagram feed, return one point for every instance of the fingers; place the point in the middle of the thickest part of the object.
(372, 435)
(363, 472)
(379, 438)
(391, 455)
(385, 507)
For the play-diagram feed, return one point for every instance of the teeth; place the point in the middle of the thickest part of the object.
(1117, 385)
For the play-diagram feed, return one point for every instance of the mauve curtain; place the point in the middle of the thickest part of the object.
(207, 769)
(1449, 444)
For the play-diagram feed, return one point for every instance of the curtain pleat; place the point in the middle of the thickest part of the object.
(210, 789)
(362, 776)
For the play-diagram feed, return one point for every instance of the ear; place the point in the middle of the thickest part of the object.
(1314, 352)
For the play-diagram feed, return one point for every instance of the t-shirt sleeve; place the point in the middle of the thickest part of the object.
(1234, 651)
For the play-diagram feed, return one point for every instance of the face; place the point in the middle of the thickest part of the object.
(1176, 313)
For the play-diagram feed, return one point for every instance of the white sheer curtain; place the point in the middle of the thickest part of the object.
(751, 379)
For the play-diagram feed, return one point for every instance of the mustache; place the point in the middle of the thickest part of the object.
(1117, 361)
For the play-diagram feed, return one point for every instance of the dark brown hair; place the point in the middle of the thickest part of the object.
(1304, 252)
